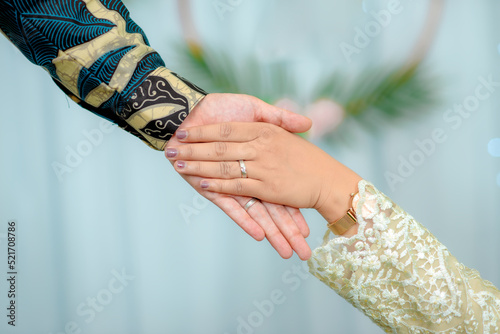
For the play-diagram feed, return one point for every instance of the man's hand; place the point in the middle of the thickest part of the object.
(284, 227)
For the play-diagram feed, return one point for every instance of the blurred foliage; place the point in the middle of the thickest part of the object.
(382, 93)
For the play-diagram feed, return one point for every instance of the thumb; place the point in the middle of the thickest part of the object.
(288, 120)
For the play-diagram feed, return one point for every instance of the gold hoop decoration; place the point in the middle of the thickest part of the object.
(376, 91)
(434, 14)
(189, 31)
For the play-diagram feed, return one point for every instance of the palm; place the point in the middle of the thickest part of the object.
(218, 108)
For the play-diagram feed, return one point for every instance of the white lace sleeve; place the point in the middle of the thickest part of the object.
(398, 274)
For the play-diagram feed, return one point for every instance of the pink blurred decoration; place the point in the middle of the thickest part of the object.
(288, 104)
(326, 116)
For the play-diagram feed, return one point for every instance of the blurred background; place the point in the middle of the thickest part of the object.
(112, 240)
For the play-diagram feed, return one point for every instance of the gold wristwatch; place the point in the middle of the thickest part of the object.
(343, 225)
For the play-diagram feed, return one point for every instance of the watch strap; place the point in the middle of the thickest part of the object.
(343, 225)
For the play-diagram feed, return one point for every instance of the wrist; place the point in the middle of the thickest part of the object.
(337, 198)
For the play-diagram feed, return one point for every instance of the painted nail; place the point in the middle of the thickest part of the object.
(181, 164)
(181, 134)
(204, 184)
(171, 152)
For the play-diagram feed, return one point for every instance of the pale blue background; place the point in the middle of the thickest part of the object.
(121, 207)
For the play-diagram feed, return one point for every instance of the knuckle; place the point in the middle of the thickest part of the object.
(273, 234)
(250, 152)
(188, 151)
(238, 187)
(295, 236)
(218, 186)
(220, 149)
(242, 150)
(197, 168)
(225, 169)
(225, 130)
(198, 134)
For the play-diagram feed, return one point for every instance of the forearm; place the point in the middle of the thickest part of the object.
(100, 58)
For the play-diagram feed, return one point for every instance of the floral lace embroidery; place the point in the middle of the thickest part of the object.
(398, 274)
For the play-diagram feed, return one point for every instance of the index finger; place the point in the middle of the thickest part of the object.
(221, 132)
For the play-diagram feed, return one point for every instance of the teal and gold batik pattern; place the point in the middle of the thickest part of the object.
(102, 59)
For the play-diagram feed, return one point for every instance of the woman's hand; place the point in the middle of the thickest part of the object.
(281, 167)
(263, 219)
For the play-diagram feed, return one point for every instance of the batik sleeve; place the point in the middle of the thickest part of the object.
(102, 60)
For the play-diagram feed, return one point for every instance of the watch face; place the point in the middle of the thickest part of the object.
(355, 201)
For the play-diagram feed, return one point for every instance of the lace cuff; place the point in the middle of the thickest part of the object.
(398, 274)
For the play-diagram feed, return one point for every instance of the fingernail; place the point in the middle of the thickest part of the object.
(204, 184)
(181, 134)
(171, 152)
(181, 164)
